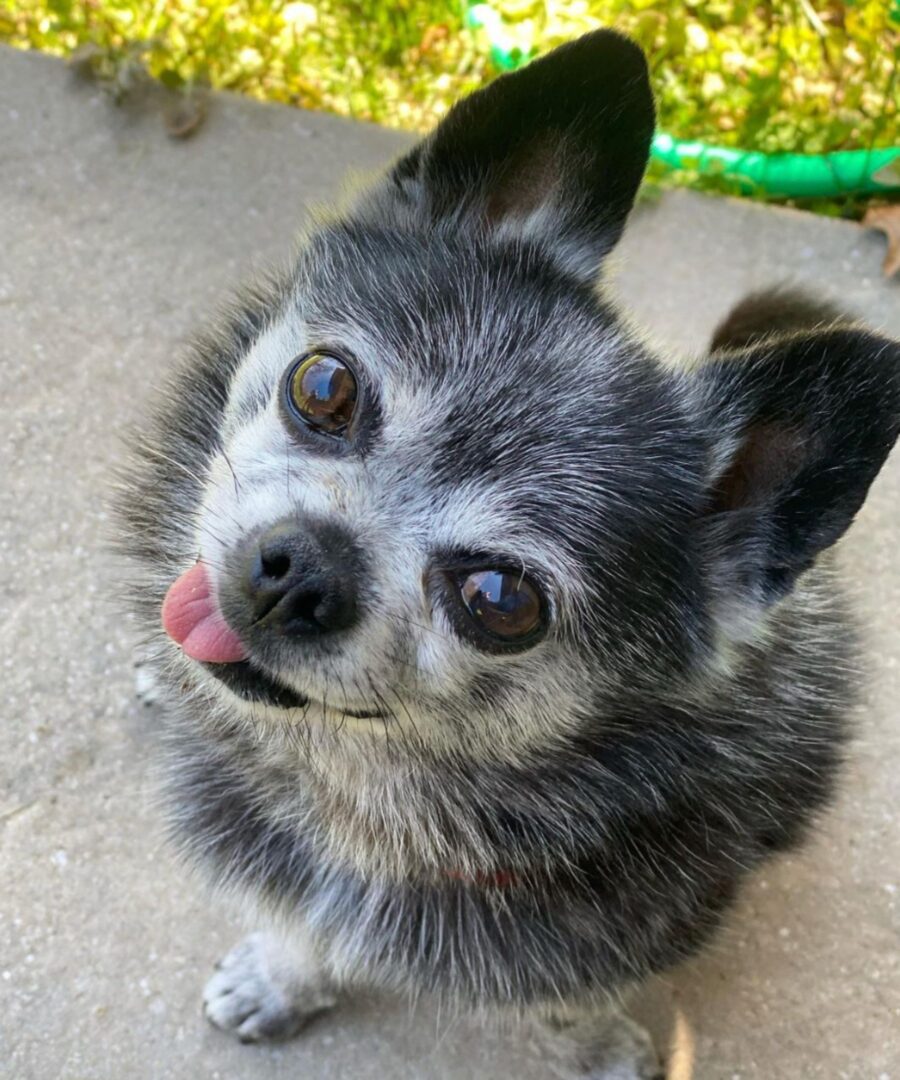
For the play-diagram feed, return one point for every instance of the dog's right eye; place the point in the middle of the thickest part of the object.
(498, 609)
(504, 602)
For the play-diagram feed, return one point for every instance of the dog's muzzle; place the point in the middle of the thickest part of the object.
(296, 580)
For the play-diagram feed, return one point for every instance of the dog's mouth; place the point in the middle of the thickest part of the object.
(191, 616)
(252, 684)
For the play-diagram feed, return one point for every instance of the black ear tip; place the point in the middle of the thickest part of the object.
(613, 42)
(605, 52)
(602, 72)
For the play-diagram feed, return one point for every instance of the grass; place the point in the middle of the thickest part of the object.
(803, 75)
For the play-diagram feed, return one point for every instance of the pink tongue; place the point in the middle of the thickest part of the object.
(191, 617)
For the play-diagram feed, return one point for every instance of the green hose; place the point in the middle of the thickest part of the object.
(788, 176)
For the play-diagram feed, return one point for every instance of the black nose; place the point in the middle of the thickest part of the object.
(301, 578)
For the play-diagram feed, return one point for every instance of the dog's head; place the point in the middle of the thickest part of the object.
(437, 489)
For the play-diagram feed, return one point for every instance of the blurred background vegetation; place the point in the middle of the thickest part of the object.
(799, 75)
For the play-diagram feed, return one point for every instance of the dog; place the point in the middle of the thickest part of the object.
(494, 652)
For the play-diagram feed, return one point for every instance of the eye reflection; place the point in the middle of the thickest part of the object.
(322, 390)
(503, 602)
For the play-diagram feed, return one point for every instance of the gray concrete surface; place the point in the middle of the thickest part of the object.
(114, 242)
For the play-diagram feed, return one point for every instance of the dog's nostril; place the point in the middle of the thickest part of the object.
(275, 566)
(305, 607)
(298, 583)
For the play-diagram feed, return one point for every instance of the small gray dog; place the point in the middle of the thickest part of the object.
(496, 652)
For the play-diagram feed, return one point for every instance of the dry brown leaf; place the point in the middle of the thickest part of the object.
(185, 113)
(887, 219)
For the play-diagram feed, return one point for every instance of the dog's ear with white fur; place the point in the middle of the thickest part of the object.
(554, 152)
(800, 426)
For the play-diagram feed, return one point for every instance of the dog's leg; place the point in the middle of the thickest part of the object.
(267, 989)
(598, 1042)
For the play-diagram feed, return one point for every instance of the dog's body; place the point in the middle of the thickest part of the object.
(537, 796)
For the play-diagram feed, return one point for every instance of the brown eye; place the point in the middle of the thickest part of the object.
(503, 602)
(322, 391)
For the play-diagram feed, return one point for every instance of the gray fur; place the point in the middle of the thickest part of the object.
(557, 824)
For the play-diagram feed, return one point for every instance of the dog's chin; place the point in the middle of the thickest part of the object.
(256, 687)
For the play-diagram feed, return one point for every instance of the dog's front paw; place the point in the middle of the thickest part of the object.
(258, 994)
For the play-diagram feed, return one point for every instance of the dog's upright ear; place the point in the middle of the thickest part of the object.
(554, 152)
(799, 425)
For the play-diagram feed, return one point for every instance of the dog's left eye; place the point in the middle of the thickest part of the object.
(322, 390)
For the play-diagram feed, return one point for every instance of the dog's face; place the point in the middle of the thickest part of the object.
(449, 495)
(445, 478)
(443, 497)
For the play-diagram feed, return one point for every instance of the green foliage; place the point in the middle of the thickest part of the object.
(398, 64)
(799, 75)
